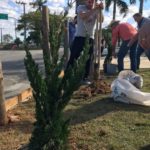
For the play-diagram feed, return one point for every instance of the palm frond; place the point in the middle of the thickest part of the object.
(123, 7)
(107, 4)
(132, 1)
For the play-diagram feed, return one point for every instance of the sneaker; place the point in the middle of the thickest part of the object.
(86, 82)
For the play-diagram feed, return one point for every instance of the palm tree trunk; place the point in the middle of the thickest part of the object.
(141, 6)
(114, 10)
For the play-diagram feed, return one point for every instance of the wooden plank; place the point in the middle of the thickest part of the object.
(22, 97)
(11, 102)
(25, 95)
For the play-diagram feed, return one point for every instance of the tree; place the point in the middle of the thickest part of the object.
(17, 41)
(33, 26)
(38, 4)
(52, 92)
(140, 6)
(7, 38)
(120, 3)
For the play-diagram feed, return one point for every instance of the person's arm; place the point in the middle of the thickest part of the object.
(144, 36)
(85, 15)
(114, 40)
(113, 50)
(101, 18)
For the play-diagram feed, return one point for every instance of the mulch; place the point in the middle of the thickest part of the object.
(97, 87)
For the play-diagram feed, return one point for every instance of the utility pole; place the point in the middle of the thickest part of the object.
(15, 30)
(1, 29)
(24, 12)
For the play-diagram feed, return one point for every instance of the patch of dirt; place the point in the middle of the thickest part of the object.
(97, 87)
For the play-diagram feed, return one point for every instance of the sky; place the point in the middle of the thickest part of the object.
(15, 10)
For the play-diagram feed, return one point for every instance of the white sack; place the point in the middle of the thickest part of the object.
(132, 77)
(124, 91)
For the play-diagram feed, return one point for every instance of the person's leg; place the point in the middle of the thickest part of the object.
(87, 67)
(121, 54)
(133, 60)
(102, 49)
(76, 48)
(147, 52)
(140, 50)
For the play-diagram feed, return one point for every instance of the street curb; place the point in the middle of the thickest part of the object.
(25, 95)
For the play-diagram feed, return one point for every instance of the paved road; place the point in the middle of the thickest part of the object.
(15, 78)
(13, 65)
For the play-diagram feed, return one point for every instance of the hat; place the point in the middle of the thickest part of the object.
(113, 23)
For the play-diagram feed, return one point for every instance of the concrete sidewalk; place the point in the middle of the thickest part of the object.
(16, 83)
(145, 63)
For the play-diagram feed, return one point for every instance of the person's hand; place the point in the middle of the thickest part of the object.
(99, 6)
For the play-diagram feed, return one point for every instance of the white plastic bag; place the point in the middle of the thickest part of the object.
(132, 77)
(124, 91)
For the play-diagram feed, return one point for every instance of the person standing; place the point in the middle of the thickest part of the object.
(144, 38)
(125, 32)
(140, 22)
(86, 22)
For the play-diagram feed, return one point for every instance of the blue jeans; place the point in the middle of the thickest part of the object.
(147, 52)
(122, 53)
(140, 50)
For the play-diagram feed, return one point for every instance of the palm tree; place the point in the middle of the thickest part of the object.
(120, 3)
(140, 6)
(38, 4)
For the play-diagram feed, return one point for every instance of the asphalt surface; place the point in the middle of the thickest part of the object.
(14, 73)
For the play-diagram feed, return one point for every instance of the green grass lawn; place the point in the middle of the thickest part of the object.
(97, 123)
(102, 124)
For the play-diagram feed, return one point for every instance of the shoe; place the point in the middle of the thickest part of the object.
(86, 82)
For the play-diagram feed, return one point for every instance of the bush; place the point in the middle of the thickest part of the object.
(52, 93)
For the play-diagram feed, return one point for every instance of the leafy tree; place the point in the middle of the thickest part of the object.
(7, 38)
(33, 26)
(120, 3)
(17, 41)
